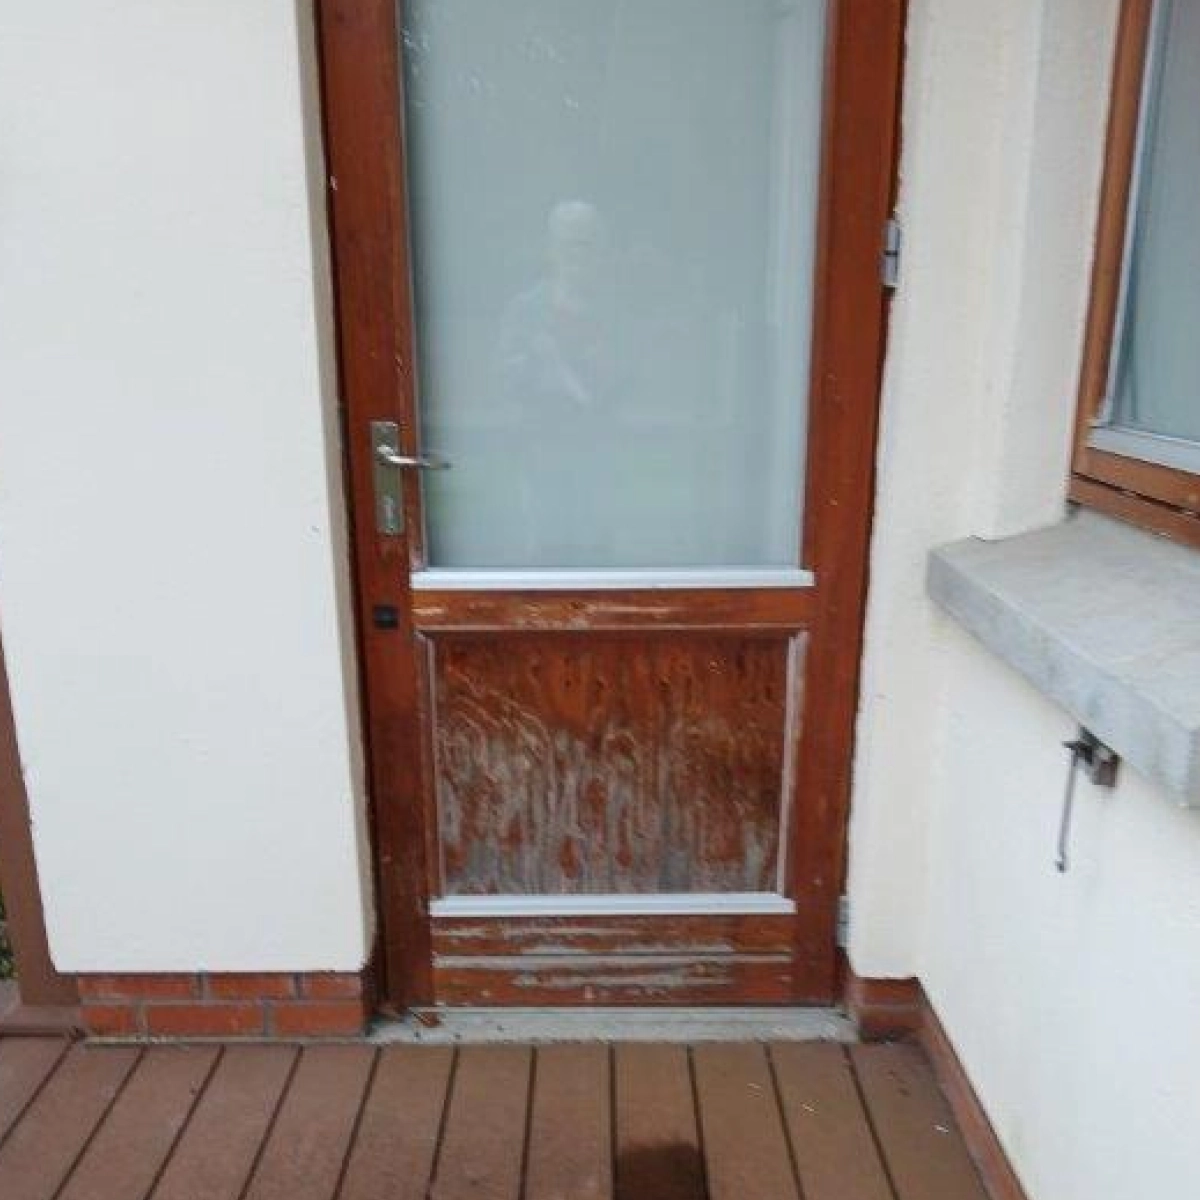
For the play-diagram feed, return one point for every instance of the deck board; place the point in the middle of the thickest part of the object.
(483, 1147)
(570, 1135)
(25, 1064)
(398, 1134)
(129, 1149)
(835, 1152)
(217, 1150)
(658, 1152)
(743, 1121)
(308, 1144)
(921, 1143)
(746, 1151)
(40, 1152)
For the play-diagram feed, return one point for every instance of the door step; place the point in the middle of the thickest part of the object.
(541, 1026)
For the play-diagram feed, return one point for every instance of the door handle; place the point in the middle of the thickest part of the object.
(386, 456)
(391, 457)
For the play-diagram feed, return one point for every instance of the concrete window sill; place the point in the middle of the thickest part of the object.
(1102, 618)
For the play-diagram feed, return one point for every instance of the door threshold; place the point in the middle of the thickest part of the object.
(542, 1026)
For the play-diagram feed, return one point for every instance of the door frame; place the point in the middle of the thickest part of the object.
(46, 999)
(363, 128)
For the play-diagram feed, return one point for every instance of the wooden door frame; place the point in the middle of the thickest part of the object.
(46, 998)
(365, 153)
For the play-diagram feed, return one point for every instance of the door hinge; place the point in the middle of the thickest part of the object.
(843, 922)
(889, 260)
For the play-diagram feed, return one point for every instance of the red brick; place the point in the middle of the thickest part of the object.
(251, 987)
(320, 1018)
(330, 986)
(139, 987)
(204, 1020)
(112, 1020)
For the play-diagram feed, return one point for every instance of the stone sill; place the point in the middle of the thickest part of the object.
(1102, 618)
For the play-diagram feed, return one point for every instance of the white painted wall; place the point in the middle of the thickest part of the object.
(170, 519)
(1071, 999)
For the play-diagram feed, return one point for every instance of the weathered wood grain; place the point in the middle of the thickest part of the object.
(645, 979)
(619, 608)
(694, 935)
(572, 764)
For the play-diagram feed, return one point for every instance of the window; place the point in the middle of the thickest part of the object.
(1137, 451)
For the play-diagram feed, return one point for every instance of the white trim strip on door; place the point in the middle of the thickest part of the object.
(670, 904)
(499, 579)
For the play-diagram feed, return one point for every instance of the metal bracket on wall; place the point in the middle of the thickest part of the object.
(1100, 762)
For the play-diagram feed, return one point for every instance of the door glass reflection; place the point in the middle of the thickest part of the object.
(612, 215)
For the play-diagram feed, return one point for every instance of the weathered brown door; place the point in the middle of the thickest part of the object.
(618, 265)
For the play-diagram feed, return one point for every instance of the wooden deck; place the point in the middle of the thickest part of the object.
(795, 1121)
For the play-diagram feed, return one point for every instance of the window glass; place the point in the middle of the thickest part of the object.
(1156, 384)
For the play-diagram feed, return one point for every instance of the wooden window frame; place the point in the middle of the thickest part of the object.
(1165, 500)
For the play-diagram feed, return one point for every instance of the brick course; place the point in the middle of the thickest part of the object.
(320, 1018)
(225, 1005)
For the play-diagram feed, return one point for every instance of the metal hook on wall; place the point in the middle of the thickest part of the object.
(1100, 762)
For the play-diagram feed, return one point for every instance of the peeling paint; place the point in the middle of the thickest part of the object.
(626, 765)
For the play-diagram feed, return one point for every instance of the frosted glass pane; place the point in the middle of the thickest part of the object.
(612, 214)
(1158, 380)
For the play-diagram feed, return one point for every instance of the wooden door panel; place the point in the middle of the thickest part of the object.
(730, 933)
(636, 740)
(630, 979)
(462, 610)
(586, 763)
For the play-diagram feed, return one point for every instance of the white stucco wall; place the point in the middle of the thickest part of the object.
(171, 555)
(1071, 999)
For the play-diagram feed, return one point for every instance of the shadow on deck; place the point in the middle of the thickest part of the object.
(742, 1121)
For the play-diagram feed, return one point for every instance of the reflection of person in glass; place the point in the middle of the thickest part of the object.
(556, 342)
(557, 368)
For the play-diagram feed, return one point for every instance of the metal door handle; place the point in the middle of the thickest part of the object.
(422, 462)
(389, 488)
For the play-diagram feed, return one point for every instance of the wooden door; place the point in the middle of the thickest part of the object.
(619, 263)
